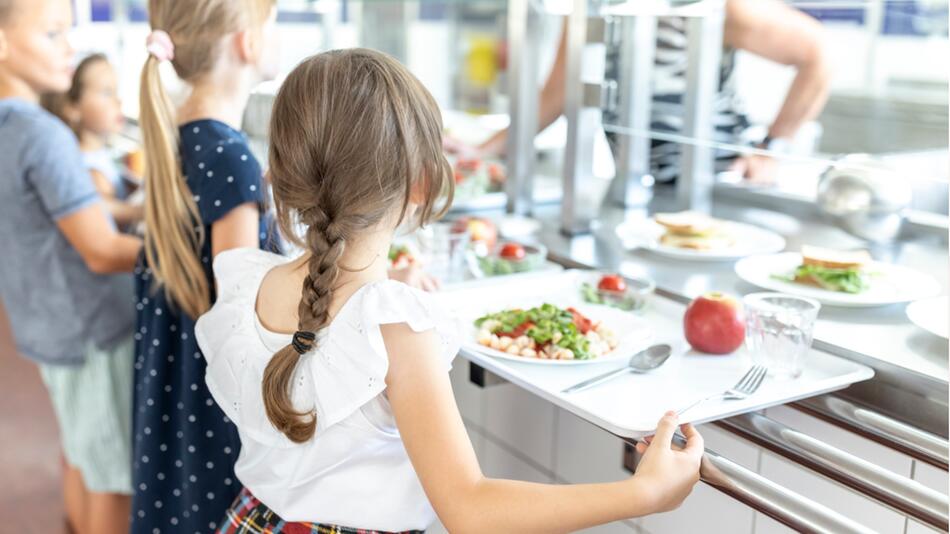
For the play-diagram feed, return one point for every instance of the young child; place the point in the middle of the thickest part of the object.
(335, 376)
(92, 109)
(66, 311)
(204, 193)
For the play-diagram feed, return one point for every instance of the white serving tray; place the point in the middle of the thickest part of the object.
(630, 406)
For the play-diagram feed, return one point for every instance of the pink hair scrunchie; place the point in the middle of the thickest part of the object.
(160, 45)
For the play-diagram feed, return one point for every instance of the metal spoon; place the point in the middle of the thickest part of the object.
(641, 362)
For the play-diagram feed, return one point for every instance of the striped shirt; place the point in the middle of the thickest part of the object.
(669, 87)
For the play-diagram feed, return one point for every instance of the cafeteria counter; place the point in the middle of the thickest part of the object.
(911, 364)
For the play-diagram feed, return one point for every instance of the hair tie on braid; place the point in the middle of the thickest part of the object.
(303, 341)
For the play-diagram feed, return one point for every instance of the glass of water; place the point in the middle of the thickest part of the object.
(444, 244)
(779, 330)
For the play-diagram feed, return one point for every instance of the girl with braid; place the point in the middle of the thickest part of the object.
(335, 376)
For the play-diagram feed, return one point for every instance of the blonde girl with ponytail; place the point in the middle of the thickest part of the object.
(336, 377)
(204, 194)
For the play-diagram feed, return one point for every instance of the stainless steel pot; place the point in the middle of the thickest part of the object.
(865, 197)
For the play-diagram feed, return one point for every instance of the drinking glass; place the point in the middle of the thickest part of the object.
(779, 330)
(444, 246)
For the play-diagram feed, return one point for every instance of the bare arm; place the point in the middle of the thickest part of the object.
(101, 246)
(103, 185)
(122, 212)
(775, 31)
(466, 501)
(238, 229)
(550, 103)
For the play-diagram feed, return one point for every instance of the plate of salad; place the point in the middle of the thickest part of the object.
(553, 335)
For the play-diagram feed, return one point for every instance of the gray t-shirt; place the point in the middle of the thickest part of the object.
(56, 305)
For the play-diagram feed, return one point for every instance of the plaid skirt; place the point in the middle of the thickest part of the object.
(248, 515)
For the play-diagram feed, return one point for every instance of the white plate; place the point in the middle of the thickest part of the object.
(890, 284)
(634, 334)
(748, 241)
(933, 315)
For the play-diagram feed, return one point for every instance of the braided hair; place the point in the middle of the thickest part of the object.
(354, 138)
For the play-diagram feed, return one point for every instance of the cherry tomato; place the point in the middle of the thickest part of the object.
(517, 332)
(402, 260)
(612, 282)
(468, 164)
(582, 323)
(512, 251)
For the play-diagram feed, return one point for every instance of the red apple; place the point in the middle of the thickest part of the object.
(479, 230)
(714, 323)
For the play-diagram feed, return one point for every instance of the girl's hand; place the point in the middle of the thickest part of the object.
(493, 147)
(414, 276)
(666, 472)
(455, 146)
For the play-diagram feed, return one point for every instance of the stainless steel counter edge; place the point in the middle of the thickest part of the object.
(894, 491)
(761, 494)
(790, 508)
(914, 398)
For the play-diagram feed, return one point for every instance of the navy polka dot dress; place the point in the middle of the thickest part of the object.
(184, 446)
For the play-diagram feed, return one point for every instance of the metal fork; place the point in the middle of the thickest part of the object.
(746, 386)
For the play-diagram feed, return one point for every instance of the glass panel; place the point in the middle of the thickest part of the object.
(825, 78)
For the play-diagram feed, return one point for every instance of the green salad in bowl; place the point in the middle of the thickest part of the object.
(511, 258)
(619, 292)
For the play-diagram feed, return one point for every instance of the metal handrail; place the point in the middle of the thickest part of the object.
(767, 497)
(900, 493)
(887, 431)
(747, 487)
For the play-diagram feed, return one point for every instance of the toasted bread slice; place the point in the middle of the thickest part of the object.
(834, 259)
(688, 223)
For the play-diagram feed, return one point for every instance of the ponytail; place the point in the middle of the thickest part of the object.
(174, 233)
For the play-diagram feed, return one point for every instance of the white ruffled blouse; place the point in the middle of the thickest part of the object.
(355, 471)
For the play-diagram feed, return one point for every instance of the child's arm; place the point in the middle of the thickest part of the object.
(103, 185)
(239, 228)
(104, 249)
(123, 213)
(466, 501)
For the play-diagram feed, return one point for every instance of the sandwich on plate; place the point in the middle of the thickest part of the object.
(693, 230)
(834, 270)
